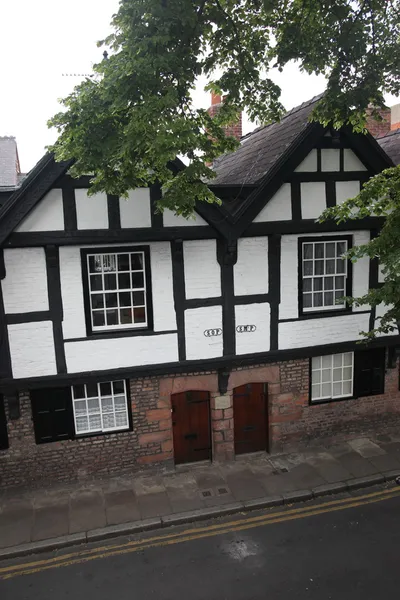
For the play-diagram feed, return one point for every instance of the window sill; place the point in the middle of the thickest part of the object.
(331, 400)
(81, 436)
(119, 334)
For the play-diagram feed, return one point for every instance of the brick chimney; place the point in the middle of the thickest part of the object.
(395, 117)
(234, 130)
(9, 163)
(378, 128)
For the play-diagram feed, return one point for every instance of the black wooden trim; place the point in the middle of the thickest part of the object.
(114, 216)
(349, 279)
(274, 286)
(319, 160)
(111, 236)
(373, 280)
(55, 304)
(251, 299)
(178, 278)
(157, 219)
(29, 317)
(203, 302)
(295, 195)
(3, 426)
(5, 355)
(69, 208)
(325, 314)
(9, 385)
(85, 283)
(314, 176)
(2, 265)
(330, 192)
(227, 257)
(341, 159)
(332, 143)
(310, 226)
(120, 334)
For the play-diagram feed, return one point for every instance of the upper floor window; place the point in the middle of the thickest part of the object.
(117, 289)
(325, 275)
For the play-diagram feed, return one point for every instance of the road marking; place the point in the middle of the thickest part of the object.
(194, 534)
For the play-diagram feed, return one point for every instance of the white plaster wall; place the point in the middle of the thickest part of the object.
(361, 270)
(288, 308)
(251, 268)
(258, 340)
(98, 355)
(313, 199)
(279, 208)
(328, 330)
(25, 284)
(173, 220)
(346, 190)
(309, 164)
(352, 162)
(381, 277)
(32, 349)
(330, 159)
(91, 211)
(202, 271)
(48, 215)
(197, 320)
(135, 210)
(381, 309)
(74, 325)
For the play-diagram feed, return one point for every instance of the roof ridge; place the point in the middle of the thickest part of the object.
(290, 112)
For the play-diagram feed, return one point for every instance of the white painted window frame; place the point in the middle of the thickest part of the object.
(332, 370)
(313, 277)
(87, 411)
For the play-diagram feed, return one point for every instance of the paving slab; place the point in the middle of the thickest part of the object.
(244, 485)
(328, 467)
(16, 526)
(121, 507)
(385, 462)
(87, 511)
(353, 461)
(148, 485)
(305, 476)
(154, 505)
(366, 447)
(50, 522)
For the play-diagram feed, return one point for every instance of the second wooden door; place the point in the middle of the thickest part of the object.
(250, 417)
(191, 426)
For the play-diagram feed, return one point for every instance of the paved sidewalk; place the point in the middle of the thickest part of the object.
(104, 508)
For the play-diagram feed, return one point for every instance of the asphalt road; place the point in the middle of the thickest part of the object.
(339, 549)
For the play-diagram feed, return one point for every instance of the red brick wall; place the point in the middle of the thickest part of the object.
(379, 128)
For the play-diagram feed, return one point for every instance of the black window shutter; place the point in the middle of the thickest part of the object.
(3, 426)
(369, 372)
(52, 414)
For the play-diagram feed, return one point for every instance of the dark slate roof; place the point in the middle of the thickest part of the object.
(262, 148)
(390, 143)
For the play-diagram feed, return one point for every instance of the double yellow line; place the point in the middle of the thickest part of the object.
(84, 556)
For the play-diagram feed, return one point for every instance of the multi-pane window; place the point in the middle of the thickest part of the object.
(117, 290)
(332, 376)
(324, 275)
(100, 407)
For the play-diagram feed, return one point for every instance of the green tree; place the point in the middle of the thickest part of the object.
(136, 114)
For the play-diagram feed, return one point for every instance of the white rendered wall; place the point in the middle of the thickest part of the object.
(309, 164)
(74, 325)
(381, 277)
(25, 284)
(279, 208)
(48, 215)
(288, 308)
(113, 353)
(173, 220)
(346, 190)
(361, 270)
(330, 159)
(251, 268)
(328, 330)
(258, 340)
(202, 271)
(32, 349)
(313, 199)
(91, 211)
(135, 210)
(197, 320)
(352, 162)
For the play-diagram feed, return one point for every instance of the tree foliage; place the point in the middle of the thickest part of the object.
(136, 114)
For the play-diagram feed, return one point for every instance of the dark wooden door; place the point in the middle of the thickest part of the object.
(250, 417)
(191, 426)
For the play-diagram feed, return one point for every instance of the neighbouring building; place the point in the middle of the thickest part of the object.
(130, 338)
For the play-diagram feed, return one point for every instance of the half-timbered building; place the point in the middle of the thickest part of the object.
(133, 338)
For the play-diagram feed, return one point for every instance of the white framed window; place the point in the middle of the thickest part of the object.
(332, 376)
(324, 275)
(100, 407)
(117, 293)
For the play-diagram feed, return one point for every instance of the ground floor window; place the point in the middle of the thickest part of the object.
(347, 375)
(100, 407)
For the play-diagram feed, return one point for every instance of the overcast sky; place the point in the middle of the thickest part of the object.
(44, 42)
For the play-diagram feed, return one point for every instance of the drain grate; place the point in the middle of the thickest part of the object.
(206, 493)
(279, 471)
(222, 491)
